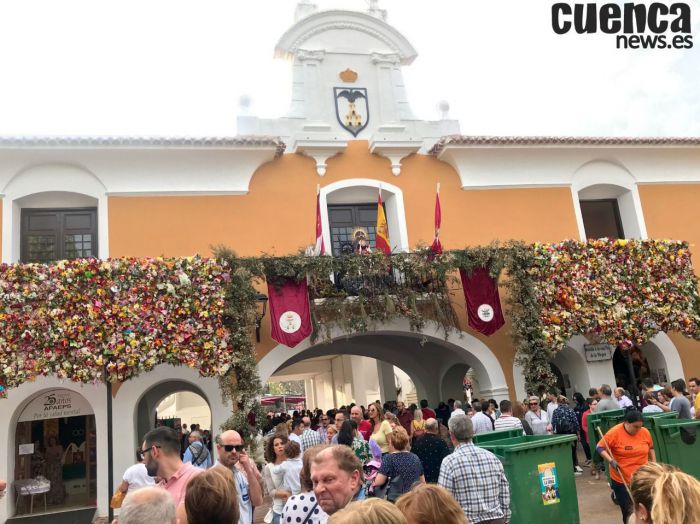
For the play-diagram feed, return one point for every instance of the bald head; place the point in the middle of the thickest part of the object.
(146, 506)
(356, 414)
(431, 426)
(228, 439)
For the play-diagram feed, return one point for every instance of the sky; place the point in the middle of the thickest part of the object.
(179, 68)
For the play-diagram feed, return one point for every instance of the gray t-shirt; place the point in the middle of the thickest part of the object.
(681, 405)
(607, 404)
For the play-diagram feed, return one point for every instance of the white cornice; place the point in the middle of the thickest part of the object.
(237, 142)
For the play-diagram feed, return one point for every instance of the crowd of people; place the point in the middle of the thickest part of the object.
(393, 463)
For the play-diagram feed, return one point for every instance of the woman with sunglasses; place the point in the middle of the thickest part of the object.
(536, 417)
(380, 427)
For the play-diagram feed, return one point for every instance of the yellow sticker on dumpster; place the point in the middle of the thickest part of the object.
(549, 483)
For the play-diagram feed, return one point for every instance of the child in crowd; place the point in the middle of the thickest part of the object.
(292, 467)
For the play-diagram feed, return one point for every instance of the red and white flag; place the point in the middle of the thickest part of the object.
(483, 301)
(290, 316)
(436, 246)
(320, 247)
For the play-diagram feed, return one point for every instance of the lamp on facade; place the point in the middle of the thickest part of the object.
(260, 310)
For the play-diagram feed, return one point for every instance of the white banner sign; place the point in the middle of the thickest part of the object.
(598, 352)
(56, 403)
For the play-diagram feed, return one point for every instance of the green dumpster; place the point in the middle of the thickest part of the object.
(594, 422)
(679, 444)
(606, 421)
(540, 476)
(650, 420)
(497, 435)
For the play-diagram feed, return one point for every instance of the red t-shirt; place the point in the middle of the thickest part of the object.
(365, 427)
(630, 451)
(428, 413)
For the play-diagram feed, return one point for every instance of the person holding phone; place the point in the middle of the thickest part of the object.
(232, 454)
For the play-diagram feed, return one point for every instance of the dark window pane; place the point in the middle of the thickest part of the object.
(48, 235)
(601, 218)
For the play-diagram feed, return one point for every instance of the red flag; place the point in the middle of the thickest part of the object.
(483, 302)
(382, 237)
(290, 316)
(320, 248)
(436, 247)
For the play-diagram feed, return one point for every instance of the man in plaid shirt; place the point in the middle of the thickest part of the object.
(475, 477)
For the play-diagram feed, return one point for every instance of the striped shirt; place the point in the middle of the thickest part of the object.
(476, 480)
(507, 422)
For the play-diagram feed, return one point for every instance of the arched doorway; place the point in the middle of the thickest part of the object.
(56, 450)
(395, 344)
(171, 404)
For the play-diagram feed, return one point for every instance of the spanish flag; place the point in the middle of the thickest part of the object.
(382, 238)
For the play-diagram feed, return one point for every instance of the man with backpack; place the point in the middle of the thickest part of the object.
(565, 422)
(197, 453)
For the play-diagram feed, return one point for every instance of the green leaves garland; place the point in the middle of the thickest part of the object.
(241, 384)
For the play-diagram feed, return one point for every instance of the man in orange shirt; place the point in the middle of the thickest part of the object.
(630, 448)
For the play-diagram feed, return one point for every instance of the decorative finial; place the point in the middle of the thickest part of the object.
(444, 108)
(304, 9)
(375, 11)
(244, 103)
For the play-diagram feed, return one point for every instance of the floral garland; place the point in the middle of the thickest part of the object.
(622, 292)
(87, 319)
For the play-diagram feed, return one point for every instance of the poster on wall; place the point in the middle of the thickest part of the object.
(549, 483)
(56, 403)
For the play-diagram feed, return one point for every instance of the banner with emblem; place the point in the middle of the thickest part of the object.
(290, 316)
(483, 301)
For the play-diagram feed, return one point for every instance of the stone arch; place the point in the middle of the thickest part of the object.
(572, 361)
(162, 378)
(396, 344)
(293, 40)
(18, 399)
(149, 401)
(62, 185)
(452, 380)
(600, 179)
(363, 188)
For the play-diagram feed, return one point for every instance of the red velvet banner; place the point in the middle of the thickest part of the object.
(290, 317)
(483, 302)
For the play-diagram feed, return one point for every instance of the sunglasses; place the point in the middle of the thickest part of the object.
(142, 452)
(230, 447)
(534, 403)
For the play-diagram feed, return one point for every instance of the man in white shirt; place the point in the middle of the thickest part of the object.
(551, 403)
(622, 399)
(231, 451)
(457, 409)
(507, 420)
(481, 421)
(297, 430)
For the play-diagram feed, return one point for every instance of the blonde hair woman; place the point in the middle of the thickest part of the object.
(380, 427)
(662, 494)
(430, 504)
(417, 425)
(369, 511)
